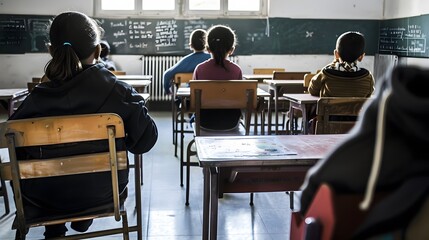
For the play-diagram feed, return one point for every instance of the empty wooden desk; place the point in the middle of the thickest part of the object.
(12, 96)
(255, 164)
(275, 86)
(303, 102)
(259, 77)
(139, 82)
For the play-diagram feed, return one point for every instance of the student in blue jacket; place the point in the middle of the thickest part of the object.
(78, 83)
(188, 63)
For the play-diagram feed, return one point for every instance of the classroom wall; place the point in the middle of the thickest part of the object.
(18, 69)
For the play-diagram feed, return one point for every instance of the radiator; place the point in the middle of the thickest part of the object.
(155, 66)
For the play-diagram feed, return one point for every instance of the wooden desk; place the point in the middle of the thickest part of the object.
(141, 86)
(240, 164)
(303, 102)
(259, 77)
(275, 87)
(12, 96)
(134, 77)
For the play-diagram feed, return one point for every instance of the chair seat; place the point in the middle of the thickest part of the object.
(239, 130)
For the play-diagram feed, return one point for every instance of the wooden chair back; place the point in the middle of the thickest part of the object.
(118, 72)
(289, 75)
(267, 70)
(48, 131)
(180, 78)
(331, 215)
(337, 115)
(307, 79)
(223, 94)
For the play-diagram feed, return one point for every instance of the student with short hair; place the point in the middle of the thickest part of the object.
(79, 84)
(221, 42)
(188, 63)
(104, 56)
(343, 77)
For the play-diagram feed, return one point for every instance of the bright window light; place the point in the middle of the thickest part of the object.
(117, 5)
(240, 5)
(158, 4)
(204, 5)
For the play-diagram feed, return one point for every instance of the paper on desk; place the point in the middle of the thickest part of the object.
(242, 147)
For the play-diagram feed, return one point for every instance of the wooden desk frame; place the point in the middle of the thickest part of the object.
(309, 149)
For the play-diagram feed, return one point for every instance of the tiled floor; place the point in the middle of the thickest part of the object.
(165, 215)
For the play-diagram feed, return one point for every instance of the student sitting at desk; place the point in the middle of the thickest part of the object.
(385, 153)
(79, 85)
(104, 56)
(221, 41)
(343, 77)
(188, 63)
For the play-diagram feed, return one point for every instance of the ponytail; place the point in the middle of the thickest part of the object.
(64, 64)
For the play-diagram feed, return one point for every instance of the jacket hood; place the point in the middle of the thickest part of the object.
(408, 109)
(68, 96)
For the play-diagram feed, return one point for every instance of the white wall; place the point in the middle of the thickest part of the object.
(18, 69)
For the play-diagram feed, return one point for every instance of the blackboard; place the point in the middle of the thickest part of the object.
(405, 36)
(23, 33)
(28, 33)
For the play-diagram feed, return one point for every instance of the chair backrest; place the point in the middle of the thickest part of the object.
(180, 78)
(47, 131)
(223, 94)
(119, 73)
(338, 215)
(266, 70)
(289, 75)
(337, 115)
(307, 79)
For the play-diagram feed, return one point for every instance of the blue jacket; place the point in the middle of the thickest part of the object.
(186, 65)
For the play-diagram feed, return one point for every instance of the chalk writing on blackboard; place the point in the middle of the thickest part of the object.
(408, 40)
(38, 29)
(14, 32)
(166, 34)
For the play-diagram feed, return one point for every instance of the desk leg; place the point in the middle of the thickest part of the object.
(304, 119)
(276, 99)
(214, 197)
(206, 203)
(270, 111)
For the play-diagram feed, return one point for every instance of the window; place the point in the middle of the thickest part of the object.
(181, 8)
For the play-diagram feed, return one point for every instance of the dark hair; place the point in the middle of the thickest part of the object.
(350, 45)
(198, 39)
(73, 37)
(105, 49)
(220, 40)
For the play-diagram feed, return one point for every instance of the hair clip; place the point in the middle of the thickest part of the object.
(67, 43)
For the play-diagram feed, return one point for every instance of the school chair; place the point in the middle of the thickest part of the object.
(72, 129)
(282, 75)
(267, 70)
(220, 94)
(180, 79)
(307, 79)
(337, 115)
(330, 216)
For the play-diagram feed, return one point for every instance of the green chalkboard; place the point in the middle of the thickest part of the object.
(405, 37)
(28, 33)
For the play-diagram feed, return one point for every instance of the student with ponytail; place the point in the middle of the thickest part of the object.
(221, 41)
(79, 84)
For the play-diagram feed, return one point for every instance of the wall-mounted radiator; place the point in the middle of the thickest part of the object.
(155, 66)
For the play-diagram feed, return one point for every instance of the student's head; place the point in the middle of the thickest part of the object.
(221, 41)
(350, 46)
(74, 40)
(105, 49)
(197, 40)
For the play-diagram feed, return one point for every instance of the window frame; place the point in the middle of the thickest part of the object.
(181, 11)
